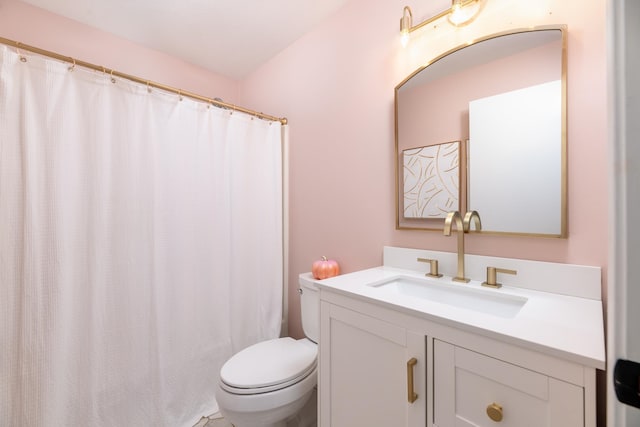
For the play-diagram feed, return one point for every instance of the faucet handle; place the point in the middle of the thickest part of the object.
(433, 267)
(492, 272)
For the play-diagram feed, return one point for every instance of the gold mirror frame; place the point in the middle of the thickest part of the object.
(437, 224)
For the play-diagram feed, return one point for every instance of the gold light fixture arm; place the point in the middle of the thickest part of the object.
(407, 19)
(406, 23)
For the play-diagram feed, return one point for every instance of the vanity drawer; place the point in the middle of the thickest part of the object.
(470, 388)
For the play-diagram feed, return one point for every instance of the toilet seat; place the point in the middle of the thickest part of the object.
(268, 366)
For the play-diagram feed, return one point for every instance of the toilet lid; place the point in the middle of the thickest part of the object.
(269, 363)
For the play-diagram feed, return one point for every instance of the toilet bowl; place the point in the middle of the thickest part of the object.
(268, 383)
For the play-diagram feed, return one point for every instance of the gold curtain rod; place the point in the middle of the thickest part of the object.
(20, 46)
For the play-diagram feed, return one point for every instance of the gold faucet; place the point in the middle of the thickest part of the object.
(455, 216)
(472, 215)
(462, 226)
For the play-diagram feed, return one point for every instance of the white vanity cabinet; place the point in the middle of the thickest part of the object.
(475, 390)
(365, 375)
(366, 369)
(476, 365)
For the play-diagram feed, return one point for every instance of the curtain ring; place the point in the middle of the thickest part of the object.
(20, 55)
(148, 87)
(113, 80)
(73, 66)
(180, 94)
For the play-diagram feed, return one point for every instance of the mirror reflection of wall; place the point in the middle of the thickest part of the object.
(517, 131)
(432, 106)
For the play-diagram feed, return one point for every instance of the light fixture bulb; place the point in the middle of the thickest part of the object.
(404, 38)
(463, 11)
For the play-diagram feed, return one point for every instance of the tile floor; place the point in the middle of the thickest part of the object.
(214, 420)
(307, 417)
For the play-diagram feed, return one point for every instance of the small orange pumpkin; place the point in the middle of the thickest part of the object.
(325, 268)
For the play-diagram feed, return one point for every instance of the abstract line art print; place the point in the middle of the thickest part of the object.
(431, 180)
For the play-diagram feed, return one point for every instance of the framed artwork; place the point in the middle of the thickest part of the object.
(431, 183)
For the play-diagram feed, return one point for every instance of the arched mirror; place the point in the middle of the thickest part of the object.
(483, 127)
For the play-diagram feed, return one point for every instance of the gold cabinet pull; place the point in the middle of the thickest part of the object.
(412, 396)
(494, 411)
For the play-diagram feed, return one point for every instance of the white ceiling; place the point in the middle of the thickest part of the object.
(229, 37)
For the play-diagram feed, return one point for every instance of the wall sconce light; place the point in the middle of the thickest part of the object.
(460, 13)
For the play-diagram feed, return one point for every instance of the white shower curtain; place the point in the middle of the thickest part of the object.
(140, 246)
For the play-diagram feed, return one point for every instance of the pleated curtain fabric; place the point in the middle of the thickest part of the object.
(140, 247)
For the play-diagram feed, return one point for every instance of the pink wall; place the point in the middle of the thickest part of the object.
(336, 86)
(36, 27)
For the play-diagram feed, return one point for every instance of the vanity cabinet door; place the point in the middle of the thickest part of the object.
(471, 388)
(365, 371)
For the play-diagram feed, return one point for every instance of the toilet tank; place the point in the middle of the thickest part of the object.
(309, 306)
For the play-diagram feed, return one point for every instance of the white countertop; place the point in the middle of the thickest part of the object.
(564, 326)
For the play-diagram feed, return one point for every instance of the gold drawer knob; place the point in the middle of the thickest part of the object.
(494, 411)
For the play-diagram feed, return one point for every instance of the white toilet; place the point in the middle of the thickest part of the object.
(268, 383)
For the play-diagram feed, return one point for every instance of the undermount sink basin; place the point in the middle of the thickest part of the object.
(485, 301)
